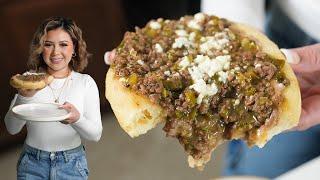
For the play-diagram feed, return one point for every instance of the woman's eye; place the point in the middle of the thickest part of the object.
(63, 44)
(47, 45)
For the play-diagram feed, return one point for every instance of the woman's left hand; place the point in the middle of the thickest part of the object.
(74, 114)
(109, 56)
(305, 62)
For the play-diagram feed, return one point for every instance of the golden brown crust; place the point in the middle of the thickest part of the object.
(129, 106)
(18, 82)
(135, 113)
(290, 109)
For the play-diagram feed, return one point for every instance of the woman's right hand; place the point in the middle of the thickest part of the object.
(27, 92)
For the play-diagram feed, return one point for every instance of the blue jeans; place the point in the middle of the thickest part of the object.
(36, 164)
(288, 150)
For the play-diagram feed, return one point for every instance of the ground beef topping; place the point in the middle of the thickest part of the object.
(31, 76)
(214, 83)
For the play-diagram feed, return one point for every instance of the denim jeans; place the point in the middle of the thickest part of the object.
(35, 164)
(287, 150)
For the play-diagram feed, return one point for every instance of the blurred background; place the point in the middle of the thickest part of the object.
(103, 23)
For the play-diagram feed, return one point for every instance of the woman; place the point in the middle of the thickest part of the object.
(53, 150)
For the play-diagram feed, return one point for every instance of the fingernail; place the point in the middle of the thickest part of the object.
(106, 58)
(291, 56)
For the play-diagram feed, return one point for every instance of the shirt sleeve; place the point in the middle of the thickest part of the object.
(250, 12)
(13, 124)
(89, 125)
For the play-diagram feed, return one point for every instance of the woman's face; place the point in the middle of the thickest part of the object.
(57, 51)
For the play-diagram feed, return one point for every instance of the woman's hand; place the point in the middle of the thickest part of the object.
(27, 92)
(74, 114)
(109, 56)
(305, 62)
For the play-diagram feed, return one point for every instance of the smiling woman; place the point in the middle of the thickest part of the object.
(58, 49)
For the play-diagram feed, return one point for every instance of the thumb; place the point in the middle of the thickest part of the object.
(106, 58)
(109, 56)
(304, 59)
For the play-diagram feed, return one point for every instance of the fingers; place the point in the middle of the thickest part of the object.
(109, 56)
(304, 59)
(74, 114)
(292, 56)
(310, 113)
(27, 92)
(67, 106)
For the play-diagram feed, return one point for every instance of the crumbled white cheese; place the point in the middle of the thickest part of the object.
(221, 35)
(167, 21)
(211, 22)
(204, 89)
(199, 98)
(155, 25)
(226, 66)
(192, 36)
(185, 62)
(225, 51)
(193, 24)
(158, 48)
(223, 59)
(167, 73)
(181, 32)
(199, 17)
(245, 67)
(217, 42)
(195, 73)
(205, 65)
(32, 73)
(201, 58)
(279, 86)
(132, 52)
(122, 79)
(237, 68)
(180, 42)
(140, 62)
(223, 76)
(210, 67)
(257, 65)
(206, 101)
(222, 42)
(236, 102)
(176, 74)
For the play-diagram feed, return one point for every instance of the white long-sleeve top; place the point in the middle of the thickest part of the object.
(304, 13)
(81, 91)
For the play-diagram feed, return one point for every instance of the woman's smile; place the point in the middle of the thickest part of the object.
(56, 60)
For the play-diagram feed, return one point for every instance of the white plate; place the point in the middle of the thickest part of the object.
(44, 112)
